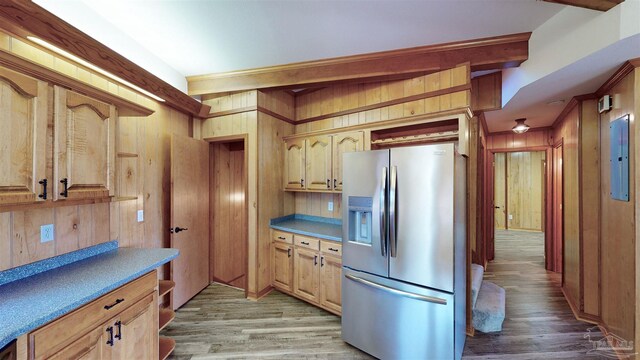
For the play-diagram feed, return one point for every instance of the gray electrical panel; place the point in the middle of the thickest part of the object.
(619, 158)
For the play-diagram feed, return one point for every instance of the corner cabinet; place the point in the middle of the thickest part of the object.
(84, 147)
(308, 268)
(23, 142)
(314, 163)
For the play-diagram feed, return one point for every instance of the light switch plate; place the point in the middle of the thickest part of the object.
(140, 215)
(510, 217)
(46, 233)
(330, 206)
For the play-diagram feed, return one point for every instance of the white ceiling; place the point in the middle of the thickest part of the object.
(178, 38)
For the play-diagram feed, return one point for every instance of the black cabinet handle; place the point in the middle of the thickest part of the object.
(301, 182)
(328, 183)
(304, 243)
(332, 249)
(288, 252)
(43, 182)
(281, 238)
(322, 261)
(119, 334)
(118, 301)
(315, 260)
(335, 182)
(110, 332)
(177, 229)
(65, 192)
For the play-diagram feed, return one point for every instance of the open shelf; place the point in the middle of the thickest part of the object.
(166, 347)
(164, 318)
(164, 286)
(434, 132)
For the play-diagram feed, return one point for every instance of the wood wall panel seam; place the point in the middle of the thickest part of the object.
(402, 100)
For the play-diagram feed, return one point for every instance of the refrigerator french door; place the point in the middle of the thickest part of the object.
(404, 273)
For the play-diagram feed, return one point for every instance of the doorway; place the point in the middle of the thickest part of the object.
(228, 213)
(519, 194)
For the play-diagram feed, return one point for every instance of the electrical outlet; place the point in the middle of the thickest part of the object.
(140, 215)
(46, 233)
(330, 206)
(510, 217)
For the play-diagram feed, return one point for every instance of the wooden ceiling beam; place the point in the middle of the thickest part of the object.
(25, 18)
(483, 54)
(600, 5)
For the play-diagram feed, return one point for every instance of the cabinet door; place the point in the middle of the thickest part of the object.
(91, 346)
(23, 138)
(343, 143)
(294, 164)
(330, 283)
(319, 162)
(84, 146)
(282, 266)
(306, 274)
(136, 330)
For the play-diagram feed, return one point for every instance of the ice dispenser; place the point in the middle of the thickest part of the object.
(360, 226)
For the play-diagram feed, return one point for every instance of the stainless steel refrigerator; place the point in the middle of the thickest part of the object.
(404, 251)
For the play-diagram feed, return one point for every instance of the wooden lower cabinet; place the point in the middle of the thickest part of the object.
(309, 269)
(330, 282)
(122, 324)
(306, 274)
(282, 266)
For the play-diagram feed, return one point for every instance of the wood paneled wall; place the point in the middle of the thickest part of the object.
(145, 177)
(618, 222)
(525, 190)
(511, 141)
(266, 198)
(500, 190)
(348, 97)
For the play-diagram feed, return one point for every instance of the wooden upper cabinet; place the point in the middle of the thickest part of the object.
(84, 146)
(294, 164)
(343, 143)
(23, 139)
(319, 163)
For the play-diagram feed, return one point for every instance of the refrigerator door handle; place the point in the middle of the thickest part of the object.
(411, 295)
(383, 213)
(393, 199)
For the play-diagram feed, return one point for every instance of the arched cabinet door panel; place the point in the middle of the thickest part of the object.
(23, 138)
(84, 147)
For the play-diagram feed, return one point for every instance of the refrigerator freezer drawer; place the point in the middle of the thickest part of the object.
(393, 320)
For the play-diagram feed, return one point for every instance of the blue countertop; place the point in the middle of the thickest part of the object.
(51, 291)
(320, 227)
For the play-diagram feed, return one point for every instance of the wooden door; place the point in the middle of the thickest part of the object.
(343, 143)
(306, 274)
(294, 164)
(84, 147)
(136, 330)
(282, 271)
(23, 139)
(228, 255)
(489, 207)
(91, 346)
(318, 175)
(189, 217)
(558, 228)
(500, 191)
(331, 283)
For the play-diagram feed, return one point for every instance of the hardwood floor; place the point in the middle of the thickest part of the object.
(539, 323)
(219, 323)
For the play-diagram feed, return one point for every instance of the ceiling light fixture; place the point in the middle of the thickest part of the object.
(520, 127)
(89, 65)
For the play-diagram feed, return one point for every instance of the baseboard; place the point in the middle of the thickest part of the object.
(592, 319)
(606, 332)
(471, 331)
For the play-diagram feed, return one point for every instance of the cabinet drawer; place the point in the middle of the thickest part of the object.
(282, 236)
(307, 242)
(330, 247)
(50, 338)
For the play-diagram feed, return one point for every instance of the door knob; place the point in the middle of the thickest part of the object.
(177, 229)
(497, 207)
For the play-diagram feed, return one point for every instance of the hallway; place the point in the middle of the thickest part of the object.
(539, 323)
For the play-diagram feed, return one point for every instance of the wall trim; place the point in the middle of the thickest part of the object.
(620, 74)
